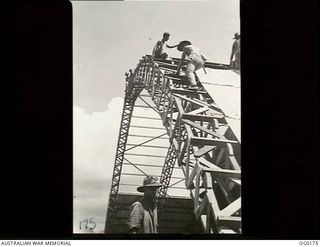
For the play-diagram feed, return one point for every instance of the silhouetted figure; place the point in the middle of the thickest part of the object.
(235, 52)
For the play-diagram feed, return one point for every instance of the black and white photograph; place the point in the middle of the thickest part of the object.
(156, 117)
(161, 120)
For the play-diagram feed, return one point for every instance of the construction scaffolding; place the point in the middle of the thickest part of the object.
(201, 132)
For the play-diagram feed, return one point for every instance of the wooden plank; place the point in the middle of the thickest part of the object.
(203, 151)
(202, 207)
(227, 231)
(204, 221)
(207, 181)
(181, 91)
(224, 189)
(231, 208)
(198, 102)
(204, 118)
(181, 154)
(214, 209)
(224, 172)
(231, 221)
(179, 106)
(180, 77)
(199, 141)
(189, 131)
(236, 180)
(166, 65)
(234, 162)
(211, 165)
(220, 155)
(198, 169)
(189, 181)
(213, 201)
(210, 132)
(199, 110)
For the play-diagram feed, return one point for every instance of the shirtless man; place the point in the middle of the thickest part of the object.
(159, 50)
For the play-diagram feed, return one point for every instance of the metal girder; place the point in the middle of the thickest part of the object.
(133, 90)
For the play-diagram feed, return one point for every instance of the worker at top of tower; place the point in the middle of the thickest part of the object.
(235, 52)
(143, 215)
(195, 60)
(159, 50)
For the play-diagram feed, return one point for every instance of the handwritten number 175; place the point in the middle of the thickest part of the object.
(87, 222)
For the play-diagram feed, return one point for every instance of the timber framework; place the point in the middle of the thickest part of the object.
(201, 132)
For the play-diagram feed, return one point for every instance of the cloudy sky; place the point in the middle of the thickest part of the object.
(108, 39)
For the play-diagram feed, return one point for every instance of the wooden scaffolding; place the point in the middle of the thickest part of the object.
(203, 143)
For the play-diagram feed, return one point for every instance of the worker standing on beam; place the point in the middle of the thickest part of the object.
(143, 215)
(235, 52)
(195, 60)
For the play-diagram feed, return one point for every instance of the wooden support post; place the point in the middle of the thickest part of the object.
(201, 209)
(189, 181)
(208, 219)
(231, 208)
(230, 221)
(220, 155)
(182, 153)
(215, 124)
(215, 209)
(197, 186)
(197, 141)
(188, 160)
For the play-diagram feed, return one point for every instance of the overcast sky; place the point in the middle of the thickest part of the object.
(108, 39)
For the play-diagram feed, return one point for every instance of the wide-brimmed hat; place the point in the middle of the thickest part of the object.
(149, 181)
(236, 36)
(182, 44)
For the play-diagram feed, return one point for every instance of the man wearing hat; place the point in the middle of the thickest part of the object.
(159, 50)
(235, 52)
(143, 216)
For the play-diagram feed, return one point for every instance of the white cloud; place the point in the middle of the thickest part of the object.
(94, 147)
(94, 144)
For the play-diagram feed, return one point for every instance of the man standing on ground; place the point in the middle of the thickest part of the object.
(143, 215)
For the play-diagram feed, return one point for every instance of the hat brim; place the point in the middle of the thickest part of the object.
(141, 188)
